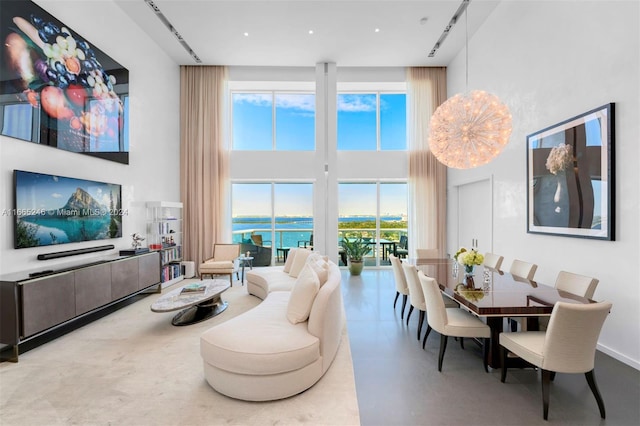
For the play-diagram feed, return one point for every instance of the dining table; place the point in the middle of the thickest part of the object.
(495, 295)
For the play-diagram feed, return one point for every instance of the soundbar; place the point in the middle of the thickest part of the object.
(57, 254)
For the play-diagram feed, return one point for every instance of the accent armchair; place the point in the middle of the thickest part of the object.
(223, 262)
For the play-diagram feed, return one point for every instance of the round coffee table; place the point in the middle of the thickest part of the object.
(196, 306)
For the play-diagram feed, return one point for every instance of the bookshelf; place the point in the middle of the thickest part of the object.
(164, 234)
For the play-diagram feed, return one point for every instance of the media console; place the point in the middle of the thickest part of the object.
(33, 303)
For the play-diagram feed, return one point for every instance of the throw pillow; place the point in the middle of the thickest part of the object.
(302, 296)
(320, 265)
(289, 262)
(298, 262)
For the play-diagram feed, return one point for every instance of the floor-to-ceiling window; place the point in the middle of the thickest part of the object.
(295, 182)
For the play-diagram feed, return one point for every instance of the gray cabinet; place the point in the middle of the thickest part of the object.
(30, 306)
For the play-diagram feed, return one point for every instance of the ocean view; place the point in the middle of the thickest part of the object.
(290, 230)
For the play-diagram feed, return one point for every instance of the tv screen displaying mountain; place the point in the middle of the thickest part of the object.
(57, 210)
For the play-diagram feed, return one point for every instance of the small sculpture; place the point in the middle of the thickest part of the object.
(137, 240)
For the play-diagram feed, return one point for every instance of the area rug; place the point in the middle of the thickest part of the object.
(133, 367)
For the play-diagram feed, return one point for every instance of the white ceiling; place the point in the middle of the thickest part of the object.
(344, 31)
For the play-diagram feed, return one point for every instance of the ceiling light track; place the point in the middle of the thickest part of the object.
(173, 30)
(447, 29)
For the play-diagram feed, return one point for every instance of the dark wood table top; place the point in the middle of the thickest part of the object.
(503, 295)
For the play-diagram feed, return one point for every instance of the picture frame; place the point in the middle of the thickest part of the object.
(571, 177)
(58, 89)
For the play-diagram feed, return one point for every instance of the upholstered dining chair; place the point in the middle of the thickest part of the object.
(223, 262)
(579, 285)
(523, 269)
(416, 295)
(451, 321)
(492, 261)
(401, 283)
(568, 346)
(427, 253)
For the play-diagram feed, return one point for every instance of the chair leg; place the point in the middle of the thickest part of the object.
(461, 342)
(231, 279)
(503, 361)
(396, 299)
(546, 383)
(424, 340)
(443, 347)
(594, 388)
(409, 314)
(485, 354)
(404, 305)
(420, 322)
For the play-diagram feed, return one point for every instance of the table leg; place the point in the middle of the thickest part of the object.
(495, 323)
(200, 312)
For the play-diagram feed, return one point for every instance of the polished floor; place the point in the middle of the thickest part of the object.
(398, 382)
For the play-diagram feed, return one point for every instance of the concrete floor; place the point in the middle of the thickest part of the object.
(398, 382)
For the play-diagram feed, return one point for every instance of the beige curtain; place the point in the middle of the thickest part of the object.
(426, 90)
(204, 160)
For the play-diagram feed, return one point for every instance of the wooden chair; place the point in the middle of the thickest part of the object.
(568, 346)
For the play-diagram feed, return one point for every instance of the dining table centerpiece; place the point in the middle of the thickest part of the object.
(469, 259)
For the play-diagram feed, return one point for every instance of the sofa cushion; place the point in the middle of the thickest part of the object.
(299, 261)
(303, 294)
(289, 261)
(320, 265)
(261, 341)
(220, 265)
(271, 278)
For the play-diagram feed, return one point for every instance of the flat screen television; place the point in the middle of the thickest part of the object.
(57, 210)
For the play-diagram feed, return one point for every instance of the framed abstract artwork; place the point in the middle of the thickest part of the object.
(571, 177)
(57, 89)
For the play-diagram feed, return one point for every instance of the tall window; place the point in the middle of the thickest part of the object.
(372, 121)
(273, 121)
(376, 212)
(275, 215)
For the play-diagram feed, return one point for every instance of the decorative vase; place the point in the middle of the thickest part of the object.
(355, 266)
(468, 276)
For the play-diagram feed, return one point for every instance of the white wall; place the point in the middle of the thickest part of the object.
(550, 61)
(153, 170)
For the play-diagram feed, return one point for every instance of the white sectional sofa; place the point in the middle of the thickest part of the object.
(284, 345)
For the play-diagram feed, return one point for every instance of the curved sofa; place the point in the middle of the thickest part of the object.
(262, 354)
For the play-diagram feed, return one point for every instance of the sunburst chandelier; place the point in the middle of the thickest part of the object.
(469, 130)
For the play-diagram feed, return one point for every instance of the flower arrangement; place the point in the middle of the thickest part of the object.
(559, 158)
(468, 258)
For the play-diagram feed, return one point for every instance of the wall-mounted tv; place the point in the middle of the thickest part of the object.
(57, 210)
(57, 88)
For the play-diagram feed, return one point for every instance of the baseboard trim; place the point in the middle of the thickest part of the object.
(620, 357)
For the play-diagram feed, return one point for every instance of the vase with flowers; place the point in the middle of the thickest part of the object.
(469, 259)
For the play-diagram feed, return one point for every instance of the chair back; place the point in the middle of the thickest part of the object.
(225, 252)
(403, 242)
(398, 275)
(579, 285)
(492, 261)
(416, 295)
(523, 269)
(572, 335)
(436, 310)
(428, 253)
(257, 239)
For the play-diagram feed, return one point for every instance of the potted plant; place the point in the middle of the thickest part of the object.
(355, 248)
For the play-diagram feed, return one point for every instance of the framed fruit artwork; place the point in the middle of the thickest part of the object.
(57, 89)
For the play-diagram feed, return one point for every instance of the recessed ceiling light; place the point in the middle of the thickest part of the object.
(377, 30)
(310, 31)
(423, 21)
(246, 34)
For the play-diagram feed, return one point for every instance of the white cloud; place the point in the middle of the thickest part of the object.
(356, 103)
(260, 99)
(299, 102)
(56, 195)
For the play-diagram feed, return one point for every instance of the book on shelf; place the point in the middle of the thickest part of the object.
(193, 288)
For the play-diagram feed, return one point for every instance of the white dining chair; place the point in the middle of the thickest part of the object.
(579, 285)
(401, 283)
(492, 261)
(416, 296)
(523, 269)
(451, 321)
(568, 346)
